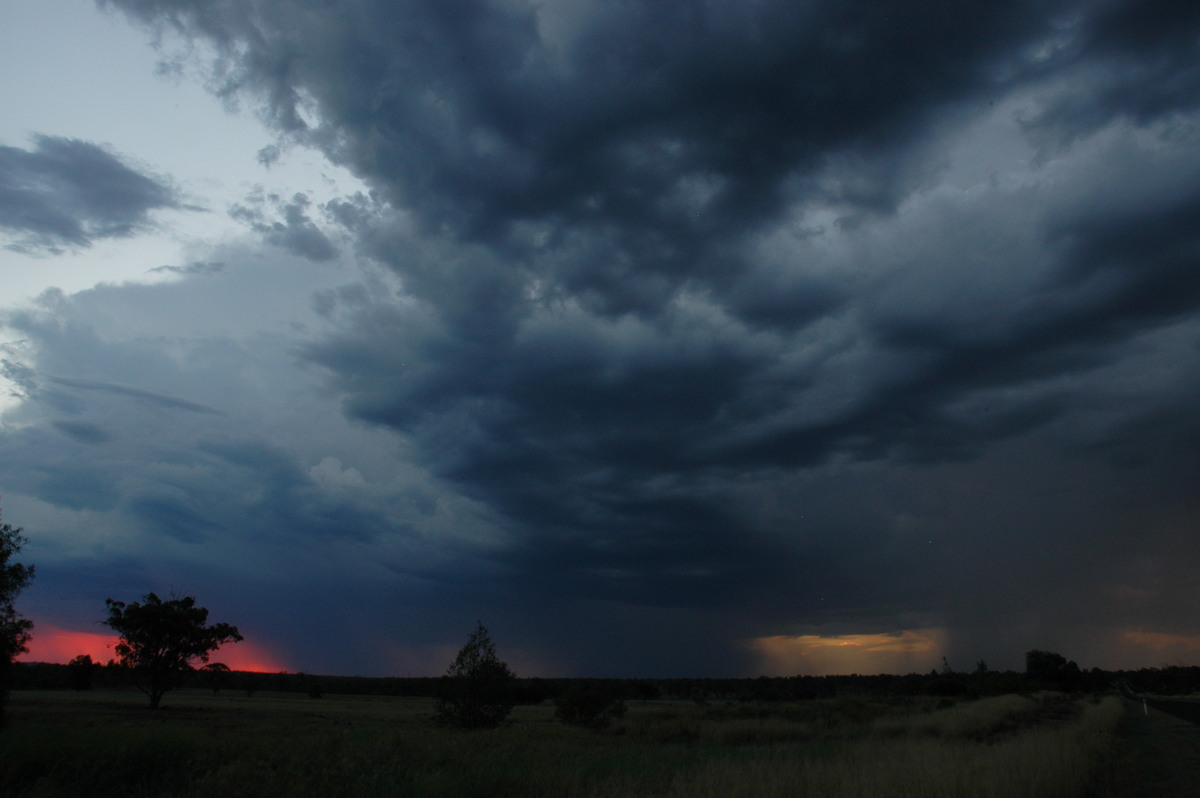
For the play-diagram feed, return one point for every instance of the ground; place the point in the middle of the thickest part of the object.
(1157, 756)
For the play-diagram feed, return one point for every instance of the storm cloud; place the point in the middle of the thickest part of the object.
(732, 320)
(68, 193)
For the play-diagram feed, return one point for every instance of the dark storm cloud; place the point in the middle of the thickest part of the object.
(67, 193)
(1145, 56)
(725, 305)
(483, 114)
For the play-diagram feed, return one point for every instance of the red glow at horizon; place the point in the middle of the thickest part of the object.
(57, 645)
(246, 656)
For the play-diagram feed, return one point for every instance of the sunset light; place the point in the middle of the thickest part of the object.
(57, 645)
(1164, 642)
(910, 651)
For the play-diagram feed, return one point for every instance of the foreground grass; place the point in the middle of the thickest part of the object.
(106, 744)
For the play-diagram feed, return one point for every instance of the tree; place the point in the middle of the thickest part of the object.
(79, 672)
(160, 639)
(218, 675)
(1049, 669)
(477, 690)
(14, 630)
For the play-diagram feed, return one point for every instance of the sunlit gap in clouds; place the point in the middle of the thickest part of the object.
(57, 645)
(909, 651)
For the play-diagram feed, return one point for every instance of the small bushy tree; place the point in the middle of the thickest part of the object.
(14, 630)
(160, 639)
(477, 690)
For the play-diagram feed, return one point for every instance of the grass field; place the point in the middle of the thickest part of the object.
(107, 744)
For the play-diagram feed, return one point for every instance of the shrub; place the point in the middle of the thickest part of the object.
(590, 705)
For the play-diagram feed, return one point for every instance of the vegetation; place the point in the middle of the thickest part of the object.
(97, 743)
(591, 703)
(160, 639)
(982, 733)
(80, 671)
(477, 691)
(14, 630)
(1052, 670)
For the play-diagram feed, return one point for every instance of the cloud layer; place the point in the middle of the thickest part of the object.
(68, 192)
(675, 326)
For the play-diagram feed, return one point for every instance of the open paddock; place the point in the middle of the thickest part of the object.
(106, 743)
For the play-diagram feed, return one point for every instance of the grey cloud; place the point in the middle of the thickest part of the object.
(72, 485)
(82, 431)
(68, 192)
(603, 124)
(196, 267)
(736, 311)
(150, 397)
(240, 494)
(296, 232)
(20, 376)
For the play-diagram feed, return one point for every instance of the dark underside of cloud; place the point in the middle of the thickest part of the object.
(745, 318)
(66, 193)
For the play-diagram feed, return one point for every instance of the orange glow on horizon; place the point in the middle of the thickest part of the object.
(1162, 641)
(909, 651)
(54, 644)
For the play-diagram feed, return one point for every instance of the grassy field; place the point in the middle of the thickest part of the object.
(107, 744)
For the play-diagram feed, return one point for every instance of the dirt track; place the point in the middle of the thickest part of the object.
(1157, 755)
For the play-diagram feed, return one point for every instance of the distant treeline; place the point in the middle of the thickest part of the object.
(1178, 680)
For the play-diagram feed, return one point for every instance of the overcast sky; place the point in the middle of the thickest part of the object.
(665, 338)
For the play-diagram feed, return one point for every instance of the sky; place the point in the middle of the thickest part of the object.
(666, 339)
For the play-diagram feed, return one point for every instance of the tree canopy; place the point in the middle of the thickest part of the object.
(477, 690)
(161, 639)
(14, 630)
(1052, 669)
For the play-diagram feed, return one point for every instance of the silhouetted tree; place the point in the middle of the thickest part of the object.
(80, 671)
(477, 690)
(218, 675)
(14, 630)
(160, 639)
(1052, 670)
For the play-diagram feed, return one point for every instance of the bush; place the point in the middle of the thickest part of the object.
(588, 705)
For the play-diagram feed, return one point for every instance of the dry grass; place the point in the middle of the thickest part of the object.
(105, 744)
(1053, 760)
